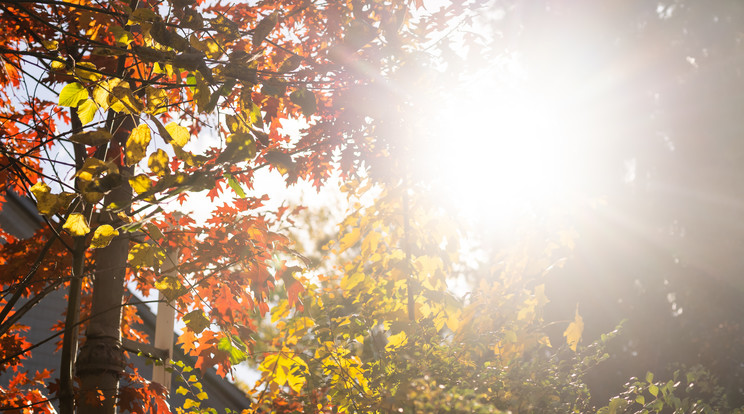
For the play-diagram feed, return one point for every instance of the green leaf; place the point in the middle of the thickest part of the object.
(236, 354)
(196, 321)
(72, 94)
(649, 377)
(235, 185)
(653, 389)
(87, 111)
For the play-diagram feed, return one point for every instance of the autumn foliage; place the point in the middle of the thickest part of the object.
(116, 115)
(142, 130)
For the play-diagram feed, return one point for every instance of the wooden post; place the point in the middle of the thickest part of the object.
(164, 325)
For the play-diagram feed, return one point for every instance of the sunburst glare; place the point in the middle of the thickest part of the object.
(513, 148)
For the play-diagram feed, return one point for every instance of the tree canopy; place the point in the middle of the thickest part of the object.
(542, 199)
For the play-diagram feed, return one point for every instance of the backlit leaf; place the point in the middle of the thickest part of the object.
(574, 331)
(87, 111)
(179, 134)
(202, 93)
(130, 103)
(76, 225)
(236, 354)
(87, 75)
(158, 162)
(137, 144)
(103, 236)
(51, 45)
(157, 100)
(140, 183)
(396, 341)
(72, 94)
(144, 255)
(349, 239)
(235, 185)
(171, 287)
(92, 168)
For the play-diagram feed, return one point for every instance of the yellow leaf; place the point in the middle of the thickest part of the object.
(144, 255)
(86, 74)
(51, 45)
(157, 100)
(202, 94)
(102, 93)
(190, 404)
(40, 189)
(542, 299)
(92, 168)
(202, 395)
(137, 144)
(179, 134)
(46, 202)
(129, 102)
(208, 46)
(574, 331)
(72, 94)
(76, 225)
(158, 162)
(349, 239)
(349, 282)
(453, 320)
(396, 341)
(49, 204)
(87, 111)
(545, 341)
(59, 66)
(103, 236)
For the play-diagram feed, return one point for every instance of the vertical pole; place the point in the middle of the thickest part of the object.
(101, 360)
(164, 325)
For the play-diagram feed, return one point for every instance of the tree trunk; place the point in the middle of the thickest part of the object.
(101, 360)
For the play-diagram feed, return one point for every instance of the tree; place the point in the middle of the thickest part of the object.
(114, 112)
(116, 115)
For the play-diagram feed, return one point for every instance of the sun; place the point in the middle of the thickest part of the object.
(506, 148)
